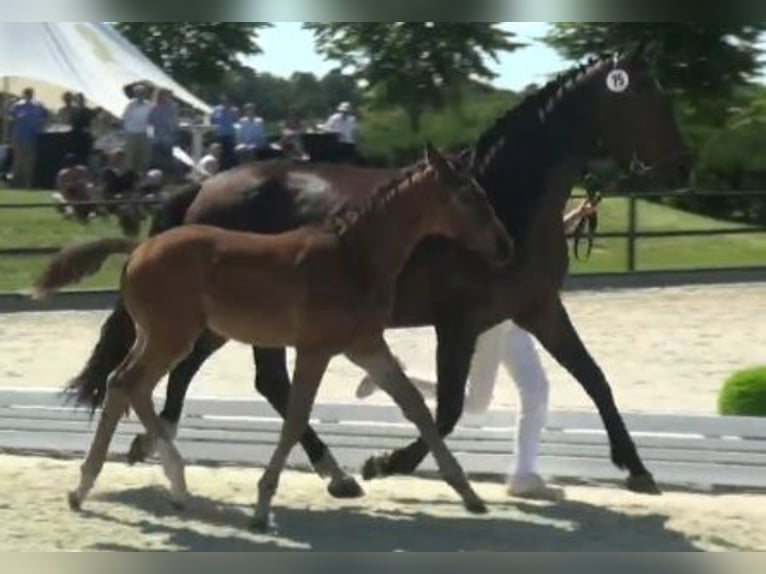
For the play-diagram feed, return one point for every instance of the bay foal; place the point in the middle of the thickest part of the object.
(325, 290)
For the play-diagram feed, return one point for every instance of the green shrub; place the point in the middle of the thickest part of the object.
(744, 394)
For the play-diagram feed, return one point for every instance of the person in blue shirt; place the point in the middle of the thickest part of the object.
(224, 120)
(251, 135)
(28, 119)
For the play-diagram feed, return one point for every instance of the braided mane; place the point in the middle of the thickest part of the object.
(535, 108)
(349, 214)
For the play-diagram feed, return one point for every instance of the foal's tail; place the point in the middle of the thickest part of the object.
(88, 387)
(76, 262)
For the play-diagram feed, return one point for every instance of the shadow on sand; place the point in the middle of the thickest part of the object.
(567, 526)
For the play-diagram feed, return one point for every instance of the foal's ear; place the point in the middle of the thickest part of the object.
(436, 160)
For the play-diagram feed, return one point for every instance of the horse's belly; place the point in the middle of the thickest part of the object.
(275, 325)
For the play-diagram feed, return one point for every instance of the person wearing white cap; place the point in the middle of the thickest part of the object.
(343, 123)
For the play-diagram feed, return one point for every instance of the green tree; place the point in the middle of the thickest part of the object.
(702, 62)
(415, 65)
(196, 54)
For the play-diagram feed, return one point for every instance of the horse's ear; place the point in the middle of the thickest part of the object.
(436, 160)
(644, 51)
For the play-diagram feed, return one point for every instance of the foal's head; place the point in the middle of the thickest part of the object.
(463, 212)
(635, 118)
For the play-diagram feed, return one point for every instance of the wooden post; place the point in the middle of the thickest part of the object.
(632, 229)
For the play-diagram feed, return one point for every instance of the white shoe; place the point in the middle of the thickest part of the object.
(533, 487)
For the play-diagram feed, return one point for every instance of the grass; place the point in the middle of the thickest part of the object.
(717, 251)
(46, 228)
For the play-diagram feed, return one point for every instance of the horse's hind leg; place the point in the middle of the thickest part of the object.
(380, 364)
(273, 382)
(116, 403)
(143, 445)
(161, 352)
(114, 407)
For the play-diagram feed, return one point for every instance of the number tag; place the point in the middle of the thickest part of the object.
(617, 81)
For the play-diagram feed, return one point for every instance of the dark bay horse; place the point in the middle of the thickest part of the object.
(323, 289)
(528, 162)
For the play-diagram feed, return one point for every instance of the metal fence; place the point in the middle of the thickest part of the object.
(633, 235)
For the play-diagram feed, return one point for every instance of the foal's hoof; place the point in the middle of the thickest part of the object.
(346, 488)
(643, 484)
(140, 449)
(75, 504)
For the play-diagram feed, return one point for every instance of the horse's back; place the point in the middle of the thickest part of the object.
(279, 195)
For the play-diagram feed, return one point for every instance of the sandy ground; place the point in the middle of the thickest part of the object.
(663, 350)
(129, 510)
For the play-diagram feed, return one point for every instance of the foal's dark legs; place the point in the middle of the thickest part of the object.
(455, 348)
(553, 328)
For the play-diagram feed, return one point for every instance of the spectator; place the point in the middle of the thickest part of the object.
(74, 187)
(343, 123)
(117, 180)
(64, 115)
(224, 119)
(28, 120)
(251, 135)
(135, 123)
(120, 182)
(210, 164)
(292, 135)
(82, 139)
(164, 122)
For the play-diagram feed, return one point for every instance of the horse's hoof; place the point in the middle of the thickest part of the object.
(260, 525)
(346, 488)
(137, 452)
(476, 506)
(178, 505)
(75, 504)
(374, 467)
(643, 484)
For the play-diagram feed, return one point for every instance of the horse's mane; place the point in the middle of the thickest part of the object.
(348, 215)
(522, 144)
(537, 107)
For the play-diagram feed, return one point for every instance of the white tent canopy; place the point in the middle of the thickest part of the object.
(87, 57)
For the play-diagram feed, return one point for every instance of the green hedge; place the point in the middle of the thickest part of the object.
(744, 394)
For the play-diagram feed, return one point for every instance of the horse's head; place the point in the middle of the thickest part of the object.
(635, 119)
(464, 213)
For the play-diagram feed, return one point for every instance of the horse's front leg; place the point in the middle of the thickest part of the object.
(455, 347)
(273, 382)
(551, 324)
(144, 445)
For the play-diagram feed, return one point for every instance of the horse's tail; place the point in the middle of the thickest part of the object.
(88, 388)
(78, 261)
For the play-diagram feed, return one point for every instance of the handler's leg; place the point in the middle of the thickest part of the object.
(484, 368)
(523, 363)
